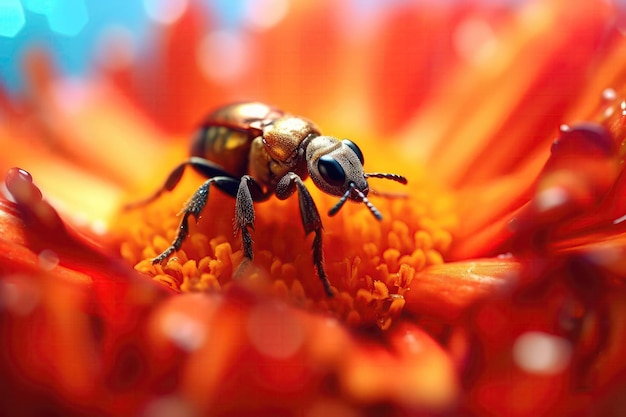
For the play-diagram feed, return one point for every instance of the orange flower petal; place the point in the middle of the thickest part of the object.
(447, 291)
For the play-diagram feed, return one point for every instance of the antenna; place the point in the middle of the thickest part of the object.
(369, 205)
(341, 201)
(393, 177)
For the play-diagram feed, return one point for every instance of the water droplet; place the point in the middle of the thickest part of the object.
(19, 187)
(584, 139)
(22, 174)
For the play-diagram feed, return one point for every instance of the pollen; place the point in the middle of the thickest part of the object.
(370, 263)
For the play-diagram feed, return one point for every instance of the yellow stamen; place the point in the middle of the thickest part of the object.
(370, 264)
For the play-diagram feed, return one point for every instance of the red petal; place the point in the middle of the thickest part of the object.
(447, 291)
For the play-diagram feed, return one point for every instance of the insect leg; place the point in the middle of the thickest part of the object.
(248, 192)
(311, 221)
(194, 207)
(205, 167)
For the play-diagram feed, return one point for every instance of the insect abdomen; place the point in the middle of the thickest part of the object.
(227, 134)
(226, 147)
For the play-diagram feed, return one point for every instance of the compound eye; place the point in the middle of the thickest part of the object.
(355, 149)
(331, 171)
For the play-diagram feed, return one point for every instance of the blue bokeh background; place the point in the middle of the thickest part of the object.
(70, 29)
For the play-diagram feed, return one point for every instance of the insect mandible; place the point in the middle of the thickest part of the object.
(252, 151)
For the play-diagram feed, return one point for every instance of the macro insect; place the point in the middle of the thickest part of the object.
(252, 151)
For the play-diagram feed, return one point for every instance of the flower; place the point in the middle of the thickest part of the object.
(495, 287)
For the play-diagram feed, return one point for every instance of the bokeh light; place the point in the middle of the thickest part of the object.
(223, 55)
(264, 14)
(67, 17)
(11, 17)
(39, 6)
(542, 353)
(165, 11)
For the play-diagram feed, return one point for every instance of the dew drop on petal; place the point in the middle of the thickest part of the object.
(184, 331)
(14, 174)
(274, 332)
(583, 138)
(48, 259)
(20, 187)
(542, 353)
(19, 172)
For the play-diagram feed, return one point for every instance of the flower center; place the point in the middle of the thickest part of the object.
(369, 263)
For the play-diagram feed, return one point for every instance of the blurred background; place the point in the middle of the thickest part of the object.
(414, 72)
(78, 32)
(213, 44)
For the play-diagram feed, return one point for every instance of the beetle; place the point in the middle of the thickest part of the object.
(252, 151)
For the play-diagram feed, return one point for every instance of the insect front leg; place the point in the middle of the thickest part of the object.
(194, 207)
(311, 221)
